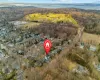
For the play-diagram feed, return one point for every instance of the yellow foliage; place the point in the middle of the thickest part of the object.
(51, 17)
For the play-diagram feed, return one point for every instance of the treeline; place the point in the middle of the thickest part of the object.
(51, 17)
(17, 13)
(56, 30)
(88, 18)
(90, 21)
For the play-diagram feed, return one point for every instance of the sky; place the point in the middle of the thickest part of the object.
(49, 1)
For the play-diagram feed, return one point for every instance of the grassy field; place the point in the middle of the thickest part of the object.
(30, 25)
(91, 38)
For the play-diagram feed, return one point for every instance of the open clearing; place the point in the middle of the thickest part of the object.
(91, 38)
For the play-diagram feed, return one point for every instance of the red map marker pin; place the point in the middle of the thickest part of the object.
(47, 46)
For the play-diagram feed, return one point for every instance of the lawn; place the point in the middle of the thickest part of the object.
(91, 38)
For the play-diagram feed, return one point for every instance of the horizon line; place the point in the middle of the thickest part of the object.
(42, 3)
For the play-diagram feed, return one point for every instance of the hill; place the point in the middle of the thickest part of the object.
(23, 31)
